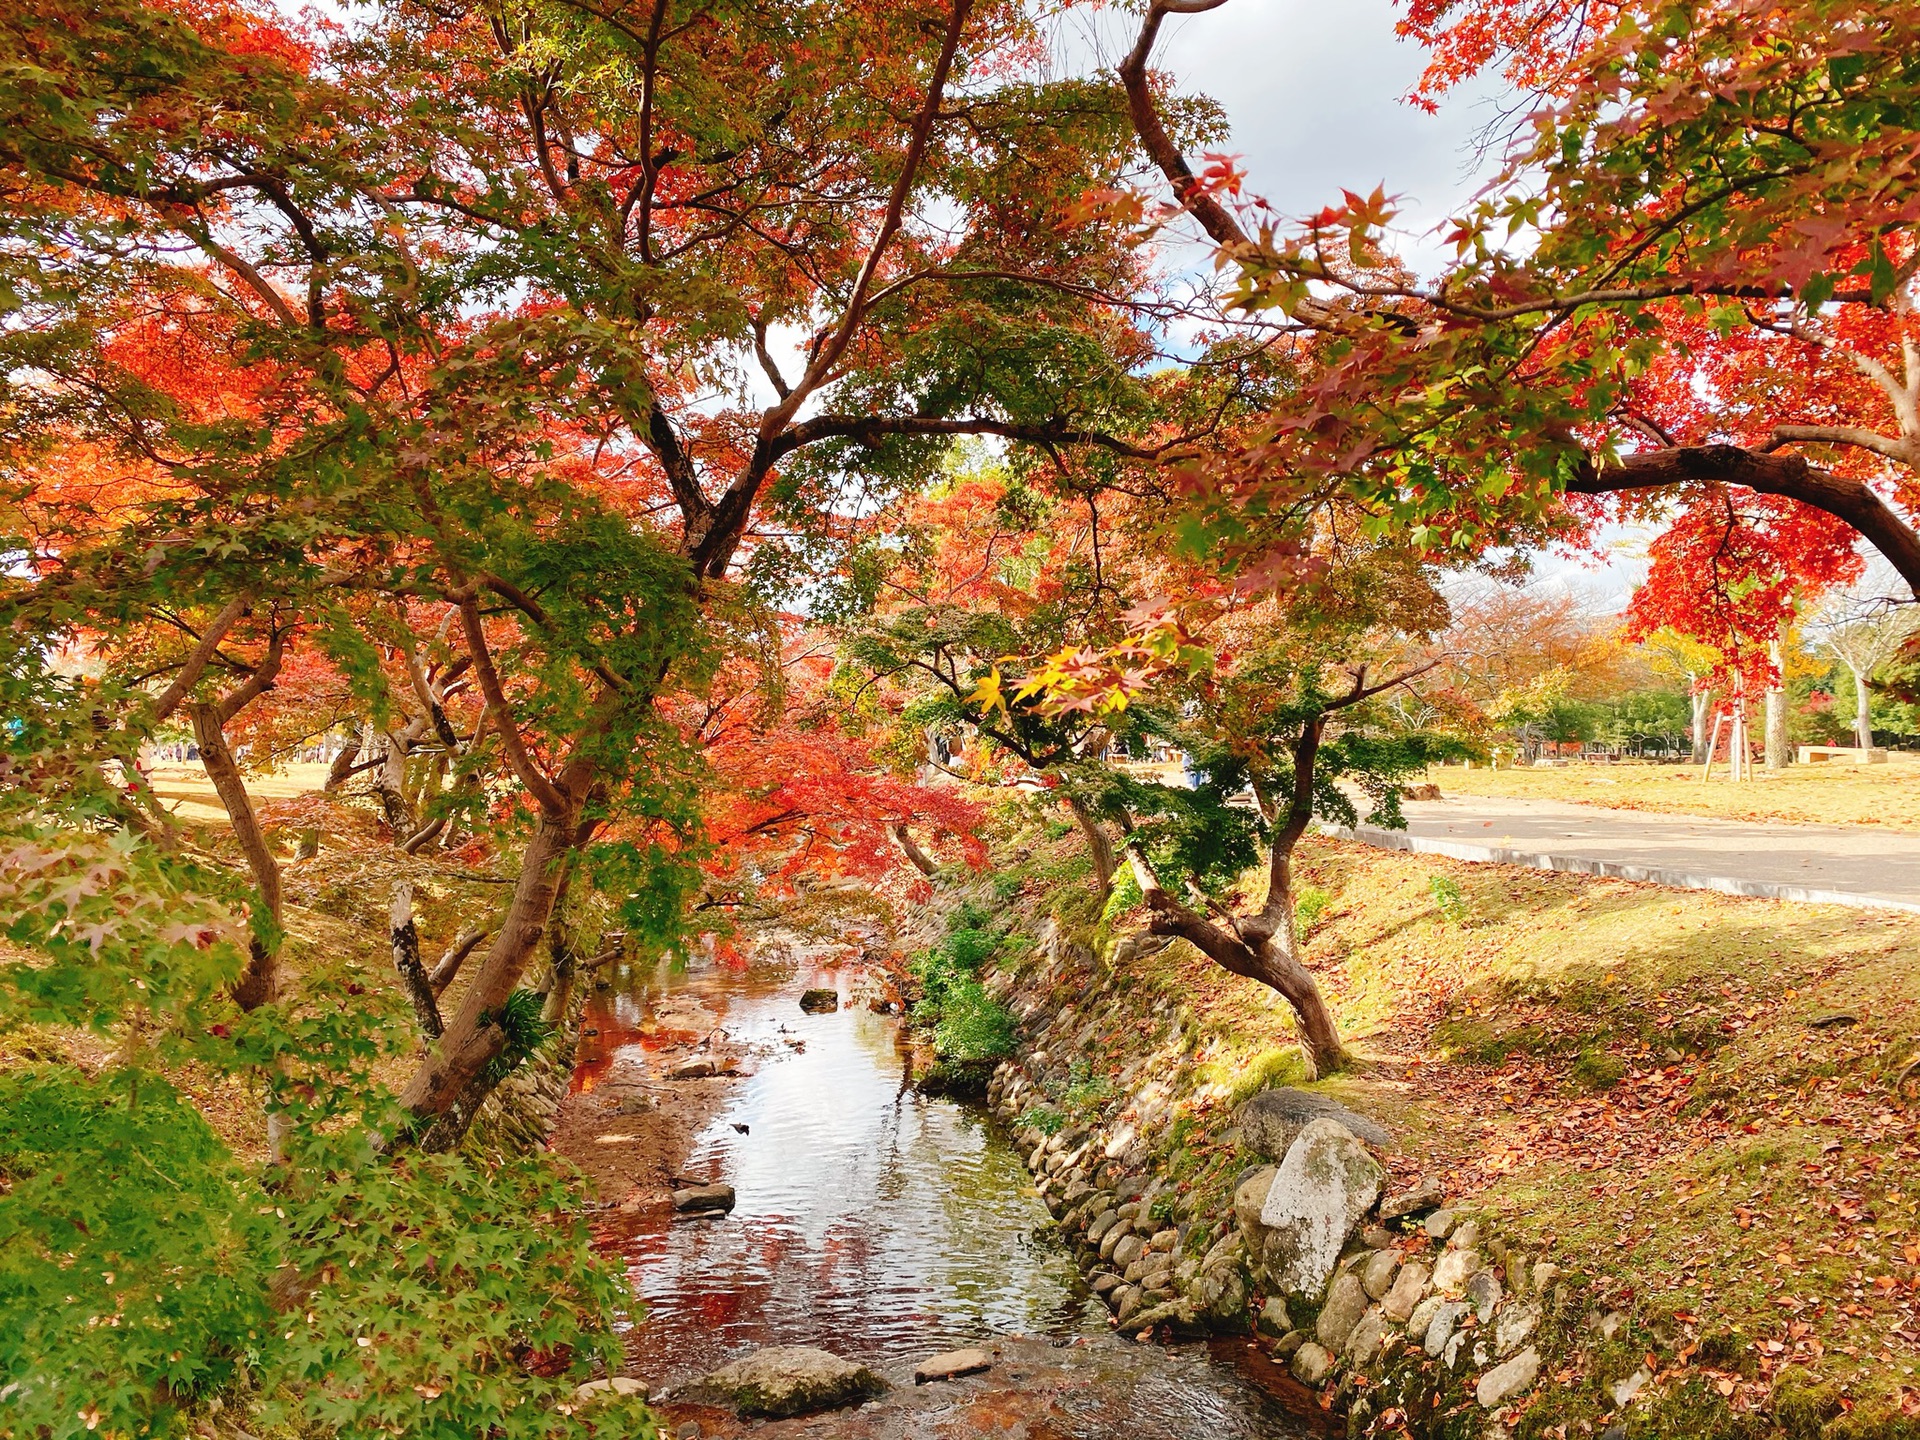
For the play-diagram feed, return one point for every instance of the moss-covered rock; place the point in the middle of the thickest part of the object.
(785, 1380)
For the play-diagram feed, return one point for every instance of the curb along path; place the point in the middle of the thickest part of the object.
(1817, 864)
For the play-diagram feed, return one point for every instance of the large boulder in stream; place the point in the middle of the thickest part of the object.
(785, 1380)
(1272, 1120)
(1323, 1187)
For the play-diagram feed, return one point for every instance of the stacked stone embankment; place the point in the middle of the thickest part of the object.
(1404, 1309)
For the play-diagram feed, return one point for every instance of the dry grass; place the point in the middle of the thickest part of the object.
(1633, 1073)
(186, 791)
(1829, 794)
(1632, 1076)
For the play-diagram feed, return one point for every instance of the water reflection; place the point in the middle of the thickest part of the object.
(870, 1220)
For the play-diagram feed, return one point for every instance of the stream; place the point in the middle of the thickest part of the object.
(871, 1221)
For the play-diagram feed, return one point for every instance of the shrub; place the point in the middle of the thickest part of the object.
(1044, 1118)
(442, 1296)
(969, 915)
(184, 1283)
(1085, 1091)
(971, 1027)
(967, 950)
(968, 1026)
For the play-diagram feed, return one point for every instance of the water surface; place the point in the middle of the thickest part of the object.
(871, 1221)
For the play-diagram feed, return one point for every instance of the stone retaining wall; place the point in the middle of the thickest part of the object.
(1407, 1313)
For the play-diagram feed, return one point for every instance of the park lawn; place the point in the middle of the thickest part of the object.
(1688, 1096)
(1829, 794)
(185, 790)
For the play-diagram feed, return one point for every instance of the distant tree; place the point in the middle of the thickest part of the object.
(1865, 624)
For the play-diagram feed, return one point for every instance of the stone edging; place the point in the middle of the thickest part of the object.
(1613, 869)
(1408, 1314)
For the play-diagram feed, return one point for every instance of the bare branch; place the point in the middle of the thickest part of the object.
(842, 335)
(538, 785)
(195, 664)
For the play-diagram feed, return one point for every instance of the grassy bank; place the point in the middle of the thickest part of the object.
(1830, 794)
(1694, 1094)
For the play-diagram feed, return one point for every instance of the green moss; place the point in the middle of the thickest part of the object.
(1729, 1348)
(1479, 1042)
(1803, 1403)
(1282, 1065)
(1597, 1070)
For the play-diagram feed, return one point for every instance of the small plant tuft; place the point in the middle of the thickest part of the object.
(1044, 1118)
(1447, 899)
(1308, 906)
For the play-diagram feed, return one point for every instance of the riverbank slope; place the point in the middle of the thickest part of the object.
(1691, 1103)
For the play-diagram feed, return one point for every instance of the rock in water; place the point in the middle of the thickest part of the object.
(819, 1002)
(1311, 1364)
(1325, 1185)
(785, 1380)
(693, 1070)
(1272, 1319)
(1272, 1120)
(704, 1197)
(618, 1385)
(951, 1366)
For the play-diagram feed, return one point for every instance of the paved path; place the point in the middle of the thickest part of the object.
(1831, 864)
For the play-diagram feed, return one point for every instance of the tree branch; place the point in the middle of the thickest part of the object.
(1853, 501)
(836, 344)
(1857, 436)
(1212, 215)
(195, 664)
(538, 785)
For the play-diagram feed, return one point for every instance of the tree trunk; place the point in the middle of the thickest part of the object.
(1099, 845)
(1240, 951)
(1280, 967)
(342, 766)
(1702, 697)
(389, 785)
(910, 847)
(1776, 712)
(1862, 711)
(406, 960)
(1319, 1036)
(472, 1040)
(260, 982)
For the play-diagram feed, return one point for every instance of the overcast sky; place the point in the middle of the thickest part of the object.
(1315, 92)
